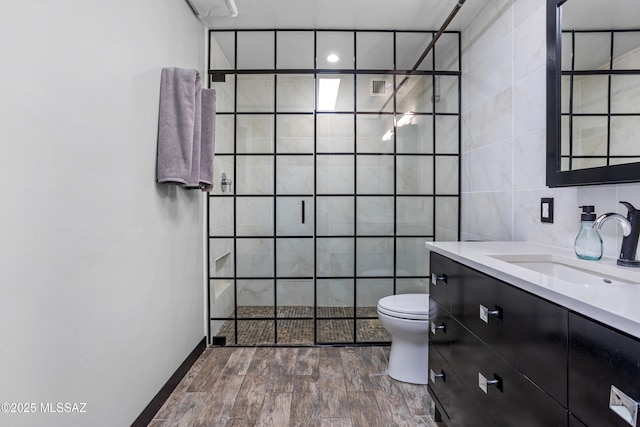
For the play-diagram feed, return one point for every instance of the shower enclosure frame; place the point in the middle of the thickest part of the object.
(217, 74)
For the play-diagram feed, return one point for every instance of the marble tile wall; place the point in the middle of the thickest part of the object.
(335, 133)
(294, 257)
(289, 216)
(294, 175)
(504, 139)
(415, 94)
(335, 292)
(294, 134)
(417, 136)
(335, 215)
(335, 257)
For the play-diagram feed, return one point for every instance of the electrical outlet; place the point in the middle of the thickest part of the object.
(546, 209)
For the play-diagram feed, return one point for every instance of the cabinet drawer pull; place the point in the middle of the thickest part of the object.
(434, 328)
(435, 376)
(624, 406)
(484, 382)
(485, 313)
(435, 279)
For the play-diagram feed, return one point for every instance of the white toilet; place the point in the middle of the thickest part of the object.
(406, 318)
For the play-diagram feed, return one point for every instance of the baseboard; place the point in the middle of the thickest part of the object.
(156, 403)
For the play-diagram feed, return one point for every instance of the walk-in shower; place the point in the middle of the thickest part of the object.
(330, 178)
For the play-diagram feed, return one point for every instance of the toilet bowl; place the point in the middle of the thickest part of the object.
(406, 318)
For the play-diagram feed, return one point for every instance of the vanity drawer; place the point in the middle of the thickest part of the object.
(528, 331)
(460, 409)
(440, 380)
(513, 400)
(439, 331)
(599, 358)
(445, 275)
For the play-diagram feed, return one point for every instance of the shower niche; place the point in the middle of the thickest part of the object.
(337, 173)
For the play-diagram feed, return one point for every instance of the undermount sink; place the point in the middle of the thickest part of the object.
(572, 270)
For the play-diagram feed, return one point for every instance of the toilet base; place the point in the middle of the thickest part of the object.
(406, 318)
(409, 363)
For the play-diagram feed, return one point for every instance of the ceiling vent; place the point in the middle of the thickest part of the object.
(377, 87)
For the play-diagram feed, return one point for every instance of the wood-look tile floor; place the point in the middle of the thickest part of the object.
(306, 386)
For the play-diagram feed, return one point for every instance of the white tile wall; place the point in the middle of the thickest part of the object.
(335, 292)
(414, 215)
(289, 216)
(335, 133)
(504, 139)
(254, 133)
(254, 174)
(254, 216)
(335, 215)
(255, 92)
(374, 215)
(334, 174)
(374, 174)
(294, 175)
(294, 134)
(255, 292)
(334, 256)
(375, 256)
(417, 137)
(447, 218)
(295, 292)
(295, 93)
(295, 257)
(414, 174)
(371, 128)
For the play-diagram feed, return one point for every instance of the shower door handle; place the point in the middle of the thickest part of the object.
(303, 211)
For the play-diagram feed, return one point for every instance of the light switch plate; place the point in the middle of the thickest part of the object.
(546, 209)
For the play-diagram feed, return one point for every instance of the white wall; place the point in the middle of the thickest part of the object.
(100, 268)
(504, 135)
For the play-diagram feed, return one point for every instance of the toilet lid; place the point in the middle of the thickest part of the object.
(406, 306)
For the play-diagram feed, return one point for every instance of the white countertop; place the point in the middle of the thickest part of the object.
(616, 305)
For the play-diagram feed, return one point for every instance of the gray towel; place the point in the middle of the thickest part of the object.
(208, 139)
(194, 177)
(178, 125)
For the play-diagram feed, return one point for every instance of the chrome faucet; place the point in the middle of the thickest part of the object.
(630, 230)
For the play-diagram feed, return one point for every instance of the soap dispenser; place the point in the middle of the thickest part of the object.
(588, 244)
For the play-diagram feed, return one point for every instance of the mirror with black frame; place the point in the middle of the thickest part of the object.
(593, 92)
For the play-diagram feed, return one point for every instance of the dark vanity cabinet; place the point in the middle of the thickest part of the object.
(604, 369)
(502, 356)
(503, 350)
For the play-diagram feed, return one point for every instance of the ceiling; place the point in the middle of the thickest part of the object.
(345, 14)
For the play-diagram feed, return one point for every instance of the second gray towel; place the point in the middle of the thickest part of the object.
(194, 177)
(208, 138)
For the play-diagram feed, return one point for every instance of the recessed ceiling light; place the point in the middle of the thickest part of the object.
(333, 58)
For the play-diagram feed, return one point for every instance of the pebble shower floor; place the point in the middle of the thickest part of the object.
(338, 329)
